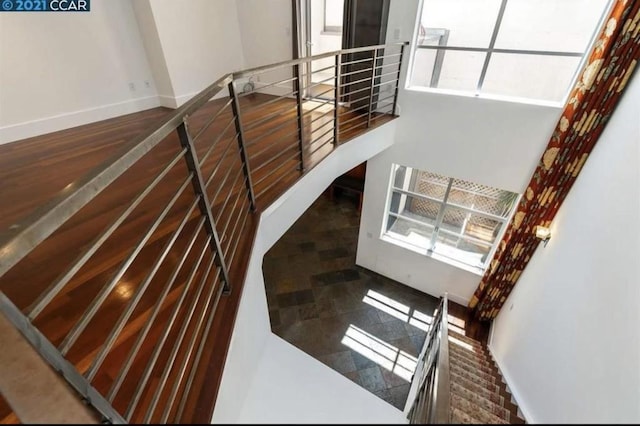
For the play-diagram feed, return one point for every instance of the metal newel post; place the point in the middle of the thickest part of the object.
(296, 87)
(371, 94)
(199, 188)
(338, 74)
(395, 95)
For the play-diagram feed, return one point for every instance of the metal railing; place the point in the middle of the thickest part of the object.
(432, 400)
(139, 290)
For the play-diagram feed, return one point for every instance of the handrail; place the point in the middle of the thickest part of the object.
(254, 168)
(432, 400)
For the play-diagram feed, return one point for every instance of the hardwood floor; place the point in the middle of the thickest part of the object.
(181, 325)
(7, 416)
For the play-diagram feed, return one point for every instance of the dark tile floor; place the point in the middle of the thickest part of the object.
(363, 325)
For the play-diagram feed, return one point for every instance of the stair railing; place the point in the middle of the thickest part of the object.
(212, 163)
(432, 399)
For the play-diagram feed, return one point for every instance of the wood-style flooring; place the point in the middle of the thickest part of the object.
(184, 378)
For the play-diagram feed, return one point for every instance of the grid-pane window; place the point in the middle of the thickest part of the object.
(528, 49)
(453, 218)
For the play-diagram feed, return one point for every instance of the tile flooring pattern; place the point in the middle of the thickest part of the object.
(353, 320)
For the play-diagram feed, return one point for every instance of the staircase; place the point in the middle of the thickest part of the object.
(478, 394)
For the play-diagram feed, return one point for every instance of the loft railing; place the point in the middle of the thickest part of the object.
(431, 403)
(123, 313)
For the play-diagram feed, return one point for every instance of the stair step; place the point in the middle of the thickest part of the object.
(465, 339)
(460, 417)
(475, 376)
(492, 395)
(472, 353)
(469, 363)
(480, 401)
(475, 411)
(493, 387)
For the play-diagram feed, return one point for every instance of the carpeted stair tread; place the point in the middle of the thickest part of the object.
(460, 417)
(466, 339)
(480, 401)
(475, 376)
(475, 411)
(474, 353)
(491, 395)
(470, 363)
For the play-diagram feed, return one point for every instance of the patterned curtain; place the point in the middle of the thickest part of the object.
(590, 105)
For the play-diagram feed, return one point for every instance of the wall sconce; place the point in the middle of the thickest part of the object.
(543, 233)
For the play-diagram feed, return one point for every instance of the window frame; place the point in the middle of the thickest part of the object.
(442, 49)
(430, 250)
(329, 29)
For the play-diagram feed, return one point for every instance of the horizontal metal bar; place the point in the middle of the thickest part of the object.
(45, 220)
(278, 179)
(122, 374)
(394, 73)
(235, 247)
(264, 104)
(144, 378)
(354, 118)
(253, 141)
(221, 160)
(104, 292)
(320, 83)
(319, 95)
(253, 124)
(268, 147)
(509, 51)
(233, 208)
(318, 118)
(274, 157)
(353, 127)
(388, 65)
(410, 219)
(320, 137)
(352, 110)
(355, 82)
(344, 64)
(222, 183)
(316, 128)
(316, 149)
(367, 70)
(318, 106)
(368, 89)
(383, 99)
(47, 296)
(277, 168)
(49, 352)
(386, 82)
(201, 347)
(235, 225)
(176, 346)
(286, 80)
(226, 200)
(213, 145)
(206, 126)
(131, 305)
(208, 312)
(320, 70)
(257, 70)
(393, 55)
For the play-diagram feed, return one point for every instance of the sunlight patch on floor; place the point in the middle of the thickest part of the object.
(382, 353)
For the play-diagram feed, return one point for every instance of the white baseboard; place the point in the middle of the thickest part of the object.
(174, 102)
(54, 123)
(518, 400)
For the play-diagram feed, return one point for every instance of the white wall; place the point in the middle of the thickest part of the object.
(252, 328)
(567, 339)
(491, 142)
(198, 44)
(309, 392)
(59, 70)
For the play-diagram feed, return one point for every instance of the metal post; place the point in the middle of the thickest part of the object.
(199, 188)
(297, 88)
(336, 103)
(235, 105)
(373, 76)
(395, 96)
